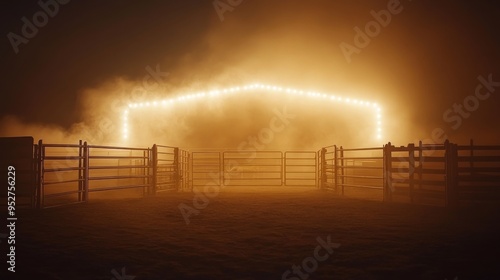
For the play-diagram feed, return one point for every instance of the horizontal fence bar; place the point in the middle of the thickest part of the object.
(100, 189)
(116, 157)
(361, 186)
(62, 158)
(65, 169)
(361, 158)
(361, 176)
(478, 148)
(104, 167)
(478, 158)
(116, 148)
(361, 149)
(63, 181)
(60, 146)
(117, 177)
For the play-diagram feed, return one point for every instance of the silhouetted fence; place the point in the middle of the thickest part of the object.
(445, 174)
(441, 174)
(71, 173)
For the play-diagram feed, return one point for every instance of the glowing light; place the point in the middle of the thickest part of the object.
(273, 88)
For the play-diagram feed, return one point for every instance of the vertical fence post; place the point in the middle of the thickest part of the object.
(189, 171)
(283, 169)
(420, 165)
(177, 178)
(80, 171)
(86, 172)
(318, 169)
(39, 170)
(388, 172)
(147, 179)
(324, 166)
(154, 166)
(222, 172)
(34, 178)
(342, 169)
(471, 162)
(336, 168)
(411, 170)
(451, 167)
(447, 172)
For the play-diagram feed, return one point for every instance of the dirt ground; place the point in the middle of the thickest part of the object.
(257, 235)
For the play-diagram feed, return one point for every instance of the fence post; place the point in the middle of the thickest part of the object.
(323, 169)
(80, 171)
(176, 168)
(451, 167)
(39, 167)
(34, 163)
(85, 172)
(154, 166)
(411, 170)
(420, 165)
(388, 172)
(342, 169)
(471, 164)
(335, 168)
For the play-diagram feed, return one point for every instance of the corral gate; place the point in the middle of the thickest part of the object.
(260, 168)
(171, 168)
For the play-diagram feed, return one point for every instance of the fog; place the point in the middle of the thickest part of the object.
(285, 48)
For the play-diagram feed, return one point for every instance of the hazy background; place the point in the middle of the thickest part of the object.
(73, 78)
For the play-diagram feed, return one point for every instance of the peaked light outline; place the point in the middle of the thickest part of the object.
(377, 110)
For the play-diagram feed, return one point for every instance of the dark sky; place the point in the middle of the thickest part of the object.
(426, 59)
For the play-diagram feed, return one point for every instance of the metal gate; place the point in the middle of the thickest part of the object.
(69, 174)
(205, 168)
(300, 168)
(171, 168)
(263, 168)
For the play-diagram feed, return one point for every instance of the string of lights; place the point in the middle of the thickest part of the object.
(376, 109)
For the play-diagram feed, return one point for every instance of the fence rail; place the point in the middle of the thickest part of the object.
(446, 174)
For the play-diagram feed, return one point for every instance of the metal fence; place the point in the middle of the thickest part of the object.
(262, 168)
(439, 174)
(445, 174)
(70, 173)
(352, 171)
(300, 168)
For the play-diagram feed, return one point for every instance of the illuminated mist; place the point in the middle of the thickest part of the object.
(285, 48)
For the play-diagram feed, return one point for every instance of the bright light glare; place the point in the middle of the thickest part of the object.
(215, 93)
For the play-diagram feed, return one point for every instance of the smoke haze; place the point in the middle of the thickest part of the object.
(291, 45)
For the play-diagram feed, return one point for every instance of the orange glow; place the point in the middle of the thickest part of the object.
(372, 107)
